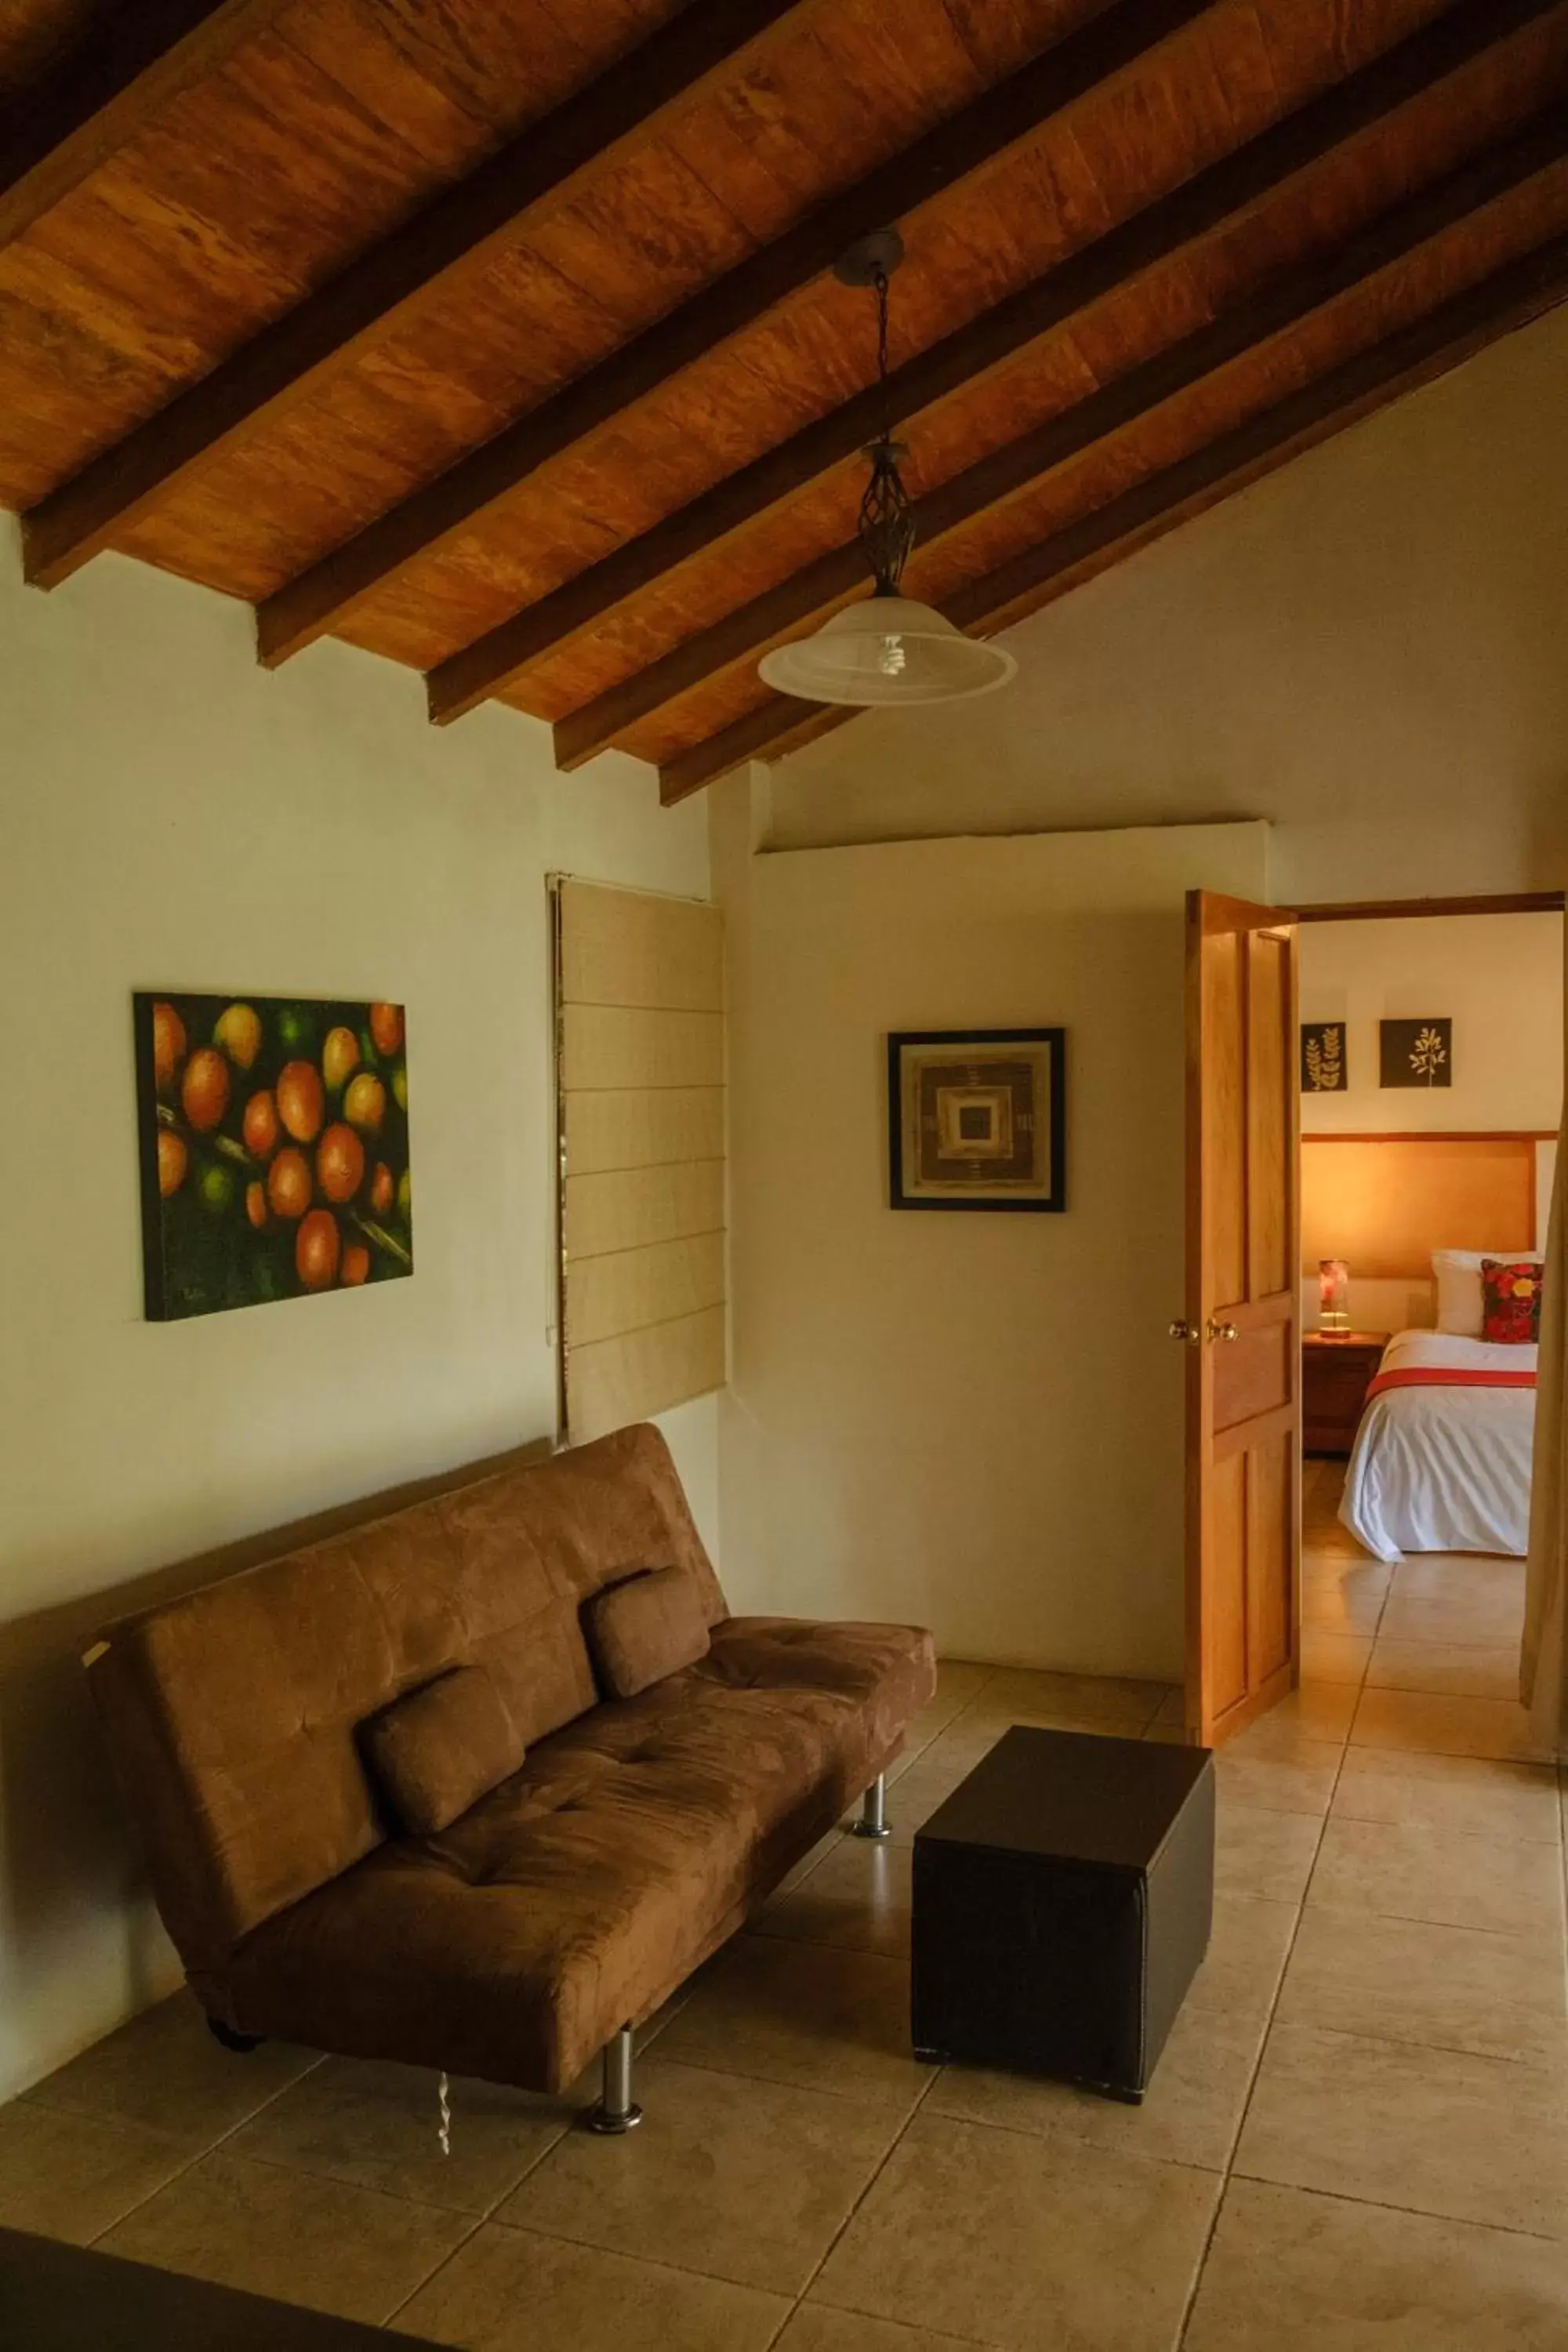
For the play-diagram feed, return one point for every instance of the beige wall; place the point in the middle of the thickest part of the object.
(1499, 978)
(1366, 648)
(973, 1422)
(169, 816)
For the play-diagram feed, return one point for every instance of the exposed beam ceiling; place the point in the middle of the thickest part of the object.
(534, 173)
(839, 577)
(1508, 298)
(1011, 112)
(104, 92)
(1218, 197)
(501, 339)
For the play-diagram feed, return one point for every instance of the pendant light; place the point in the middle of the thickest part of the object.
(886, 649)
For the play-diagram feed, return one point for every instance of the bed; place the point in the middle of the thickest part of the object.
(1442, 1457)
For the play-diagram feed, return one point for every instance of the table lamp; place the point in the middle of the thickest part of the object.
(1333, 1294)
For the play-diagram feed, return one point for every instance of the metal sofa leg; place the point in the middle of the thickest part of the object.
(242, 2044)
(873, 1822)
(617, 2111)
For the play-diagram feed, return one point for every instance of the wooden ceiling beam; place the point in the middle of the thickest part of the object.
(1011, 112)
(1019, 466)
(103, 93)
(461, 230)
(1215, 198)
(1509, 298)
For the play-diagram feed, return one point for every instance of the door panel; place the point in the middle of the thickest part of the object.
(1270, 1498)
(1243, 1312)
(1227, 1644)
(1272, 1120)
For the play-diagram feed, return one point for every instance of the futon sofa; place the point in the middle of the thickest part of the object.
(293, 1743)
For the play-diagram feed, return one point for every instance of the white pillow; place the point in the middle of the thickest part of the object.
(1460, 1306)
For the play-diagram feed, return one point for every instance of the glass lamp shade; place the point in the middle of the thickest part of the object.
(886, 649)
(1333, 1294)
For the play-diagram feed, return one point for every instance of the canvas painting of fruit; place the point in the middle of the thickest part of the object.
(274, 1137)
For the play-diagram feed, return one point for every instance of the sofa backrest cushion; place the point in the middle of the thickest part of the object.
(643, 1629)
(438, 1749)
(232, 1713)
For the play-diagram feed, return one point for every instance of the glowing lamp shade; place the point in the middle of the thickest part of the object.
(887, 649)
(1333, 1293)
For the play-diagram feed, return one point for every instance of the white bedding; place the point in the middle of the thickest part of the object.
(1444, 1469)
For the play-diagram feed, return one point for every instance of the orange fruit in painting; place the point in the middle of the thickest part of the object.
(168, 1045)
(364, 1105)
(340, 1162)
(256, 1207)
(173, 1161)
(316, 1247)
(204, 1089)
(381, 1189)
(260, 1127)
(301, 1103)
(238, 1031)
(386, 1027)
(288, 1186)
(339, 1055)
(355, 1267)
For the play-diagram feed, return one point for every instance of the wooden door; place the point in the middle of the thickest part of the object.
(1243, 1312)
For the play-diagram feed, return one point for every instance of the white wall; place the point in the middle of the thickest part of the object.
(170, 816)
(1367, 648)
(1499, 978)
(971, 1422)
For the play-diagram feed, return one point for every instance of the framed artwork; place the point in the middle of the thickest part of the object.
(1324, 1059)
(274, 1149)
(1415, 1053)
(977, 1118)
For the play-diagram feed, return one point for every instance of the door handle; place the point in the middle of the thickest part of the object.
(1181, 1329)
(1218, 1330)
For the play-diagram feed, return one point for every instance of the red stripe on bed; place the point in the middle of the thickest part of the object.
(1447, 1376)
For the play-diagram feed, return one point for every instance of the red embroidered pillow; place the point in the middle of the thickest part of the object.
(1510, 1301)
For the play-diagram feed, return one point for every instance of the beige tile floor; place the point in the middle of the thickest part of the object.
(1357, 2140)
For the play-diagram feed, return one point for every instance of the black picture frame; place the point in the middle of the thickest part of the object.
(1325, 1057)
(904, 1185)
(1417, 1052)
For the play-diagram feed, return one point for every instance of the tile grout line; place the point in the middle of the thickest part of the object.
(1229, 2172)
(1230, 2169)
(894, 2144)
(202, 2154)
(794, 2304)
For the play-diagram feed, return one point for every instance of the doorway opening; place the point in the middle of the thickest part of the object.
(1430, 1076)
(1334, 1250)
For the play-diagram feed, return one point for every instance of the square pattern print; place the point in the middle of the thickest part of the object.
(976, 1119)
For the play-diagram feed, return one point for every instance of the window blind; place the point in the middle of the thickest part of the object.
(640, 1047)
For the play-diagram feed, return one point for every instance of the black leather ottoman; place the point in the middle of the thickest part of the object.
(1063, 1897)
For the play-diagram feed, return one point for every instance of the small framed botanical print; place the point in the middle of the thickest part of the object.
(1323, 1067)
(1417, 1052)
(977, 1118)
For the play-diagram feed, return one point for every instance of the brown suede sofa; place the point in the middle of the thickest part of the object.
(257, 1724)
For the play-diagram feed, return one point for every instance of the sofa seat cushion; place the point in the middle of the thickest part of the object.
(888, 1671)
(571, 1900)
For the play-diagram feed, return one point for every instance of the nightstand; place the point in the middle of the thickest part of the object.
(1336, 1368)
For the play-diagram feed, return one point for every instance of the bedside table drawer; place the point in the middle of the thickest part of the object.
(1335, 1377)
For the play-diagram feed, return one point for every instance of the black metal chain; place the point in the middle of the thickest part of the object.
(887, 522)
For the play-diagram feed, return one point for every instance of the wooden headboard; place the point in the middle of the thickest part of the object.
(1385, 1203)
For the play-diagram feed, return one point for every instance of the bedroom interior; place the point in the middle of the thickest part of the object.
(466, 1628)
(1413, 1181)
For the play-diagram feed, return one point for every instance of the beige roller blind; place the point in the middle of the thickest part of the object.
(640, 1034)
